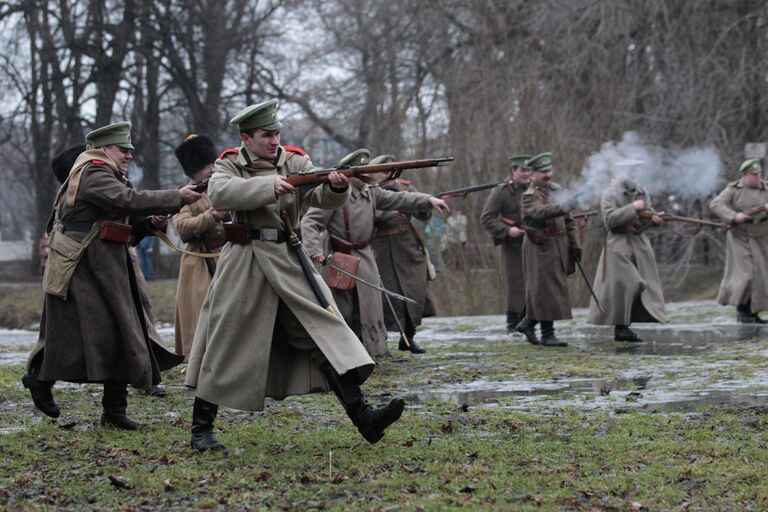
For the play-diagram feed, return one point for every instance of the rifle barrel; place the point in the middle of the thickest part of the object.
(394, 168)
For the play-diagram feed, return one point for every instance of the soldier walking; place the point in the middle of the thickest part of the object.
(262, 331)
(627, 281)
(545, 261)
(350, 230)
(95, 327)
(505, 202)
(745, 281)
(402, 260)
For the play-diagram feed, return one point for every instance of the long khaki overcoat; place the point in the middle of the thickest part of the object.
(362, 205)
(203, 234)
(545, 265)
(745, 280)
(506, 200)
(100, 332)
(237, 356)
(627, 267)
(402, 262)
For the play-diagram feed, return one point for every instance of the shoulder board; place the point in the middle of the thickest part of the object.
(734, 183)
(230, 151)
(98, 162)
(295, 149)
(404, 181)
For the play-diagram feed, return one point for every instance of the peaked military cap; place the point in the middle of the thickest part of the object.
(751, 166)
(382, 159)
(195, 153)
(540, 162)
(262, 115)
(358, 157)
(520, 161)
(115, 133)
(64, 161)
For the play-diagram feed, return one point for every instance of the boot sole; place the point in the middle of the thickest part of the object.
(201, 449)
(27, 381)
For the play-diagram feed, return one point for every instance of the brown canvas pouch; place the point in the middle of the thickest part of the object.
(237, 233)
(114, 231)
(63, 255)
(338, 280)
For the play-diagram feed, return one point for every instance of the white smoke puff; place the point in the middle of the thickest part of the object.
(688, 173)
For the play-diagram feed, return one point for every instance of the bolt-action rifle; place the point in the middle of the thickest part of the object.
(753, 211)
(462, 192)
(394, 169)
(667, 217)
(536, 235)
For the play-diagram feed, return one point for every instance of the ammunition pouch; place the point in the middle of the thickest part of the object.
(339, 280)
(112, 231)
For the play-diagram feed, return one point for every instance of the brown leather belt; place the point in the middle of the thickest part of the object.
(397, 230)
(341, 245)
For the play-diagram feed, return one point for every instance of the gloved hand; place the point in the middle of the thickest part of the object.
(576, 254)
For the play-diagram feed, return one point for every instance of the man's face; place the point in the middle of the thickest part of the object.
(121, 156)
(263, 144)
(521, 175)
(542, 177)
(752, 180)
(205, 172)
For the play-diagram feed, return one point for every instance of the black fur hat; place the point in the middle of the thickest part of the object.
(196, 152)
(64, 161)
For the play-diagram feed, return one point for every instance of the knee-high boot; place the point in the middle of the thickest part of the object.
(115, 402)
(203, 414)
(41, 392)
(370, 422)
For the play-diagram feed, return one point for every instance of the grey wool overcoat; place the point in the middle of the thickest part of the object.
(545, 265)
(238, 356)
(627, 267)
(745, 280)
(505, 200)
(100, 331)
(362, 206)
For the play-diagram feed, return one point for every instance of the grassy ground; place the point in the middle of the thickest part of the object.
(303, 453)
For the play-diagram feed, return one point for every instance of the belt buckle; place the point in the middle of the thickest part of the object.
(268, 234)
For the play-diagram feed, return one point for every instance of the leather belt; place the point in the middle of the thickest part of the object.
(82, 227)
(397, 230)
(269, 235)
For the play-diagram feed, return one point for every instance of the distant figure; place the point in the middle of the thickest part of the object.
(454, 241)
(146, 248)
(745, 281)
(42, 252)
(504, 202)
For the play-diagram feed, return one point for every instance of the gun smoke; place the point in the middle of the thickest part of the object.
(685, 173)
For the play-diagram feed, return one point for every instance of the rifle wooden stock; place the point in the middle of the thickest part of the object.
(584, 215)
(753, 211)
(646, 215)
(462, 192)
(537, 236)
(393, 168)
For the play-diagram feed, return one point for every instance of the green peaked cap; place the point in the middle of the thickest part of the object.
(540, 162)
(116, 133)
(520, 161)
(358, 157)
(752, 166)
(262, 115)
(382, 159)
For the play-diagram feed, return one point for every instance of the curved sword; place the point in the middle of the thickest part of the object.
(327, 261)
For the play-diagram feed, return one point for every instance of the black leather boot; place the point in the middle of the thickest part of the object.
(513, 318)
(528, 328)
(548, 338)
(744, 315)
(415, 348)
(624, 333)
(41, 393)
(203, 414)
(370, 422)
(115, 402)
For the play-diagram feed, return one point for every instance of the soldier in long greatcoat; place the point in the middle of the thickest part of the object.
(95, 326)
(200, 226)
(504, 202)
(262, 331)
(402, 261)
(745, 281)
(546, 261)
(627, 281)
(349, 229)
